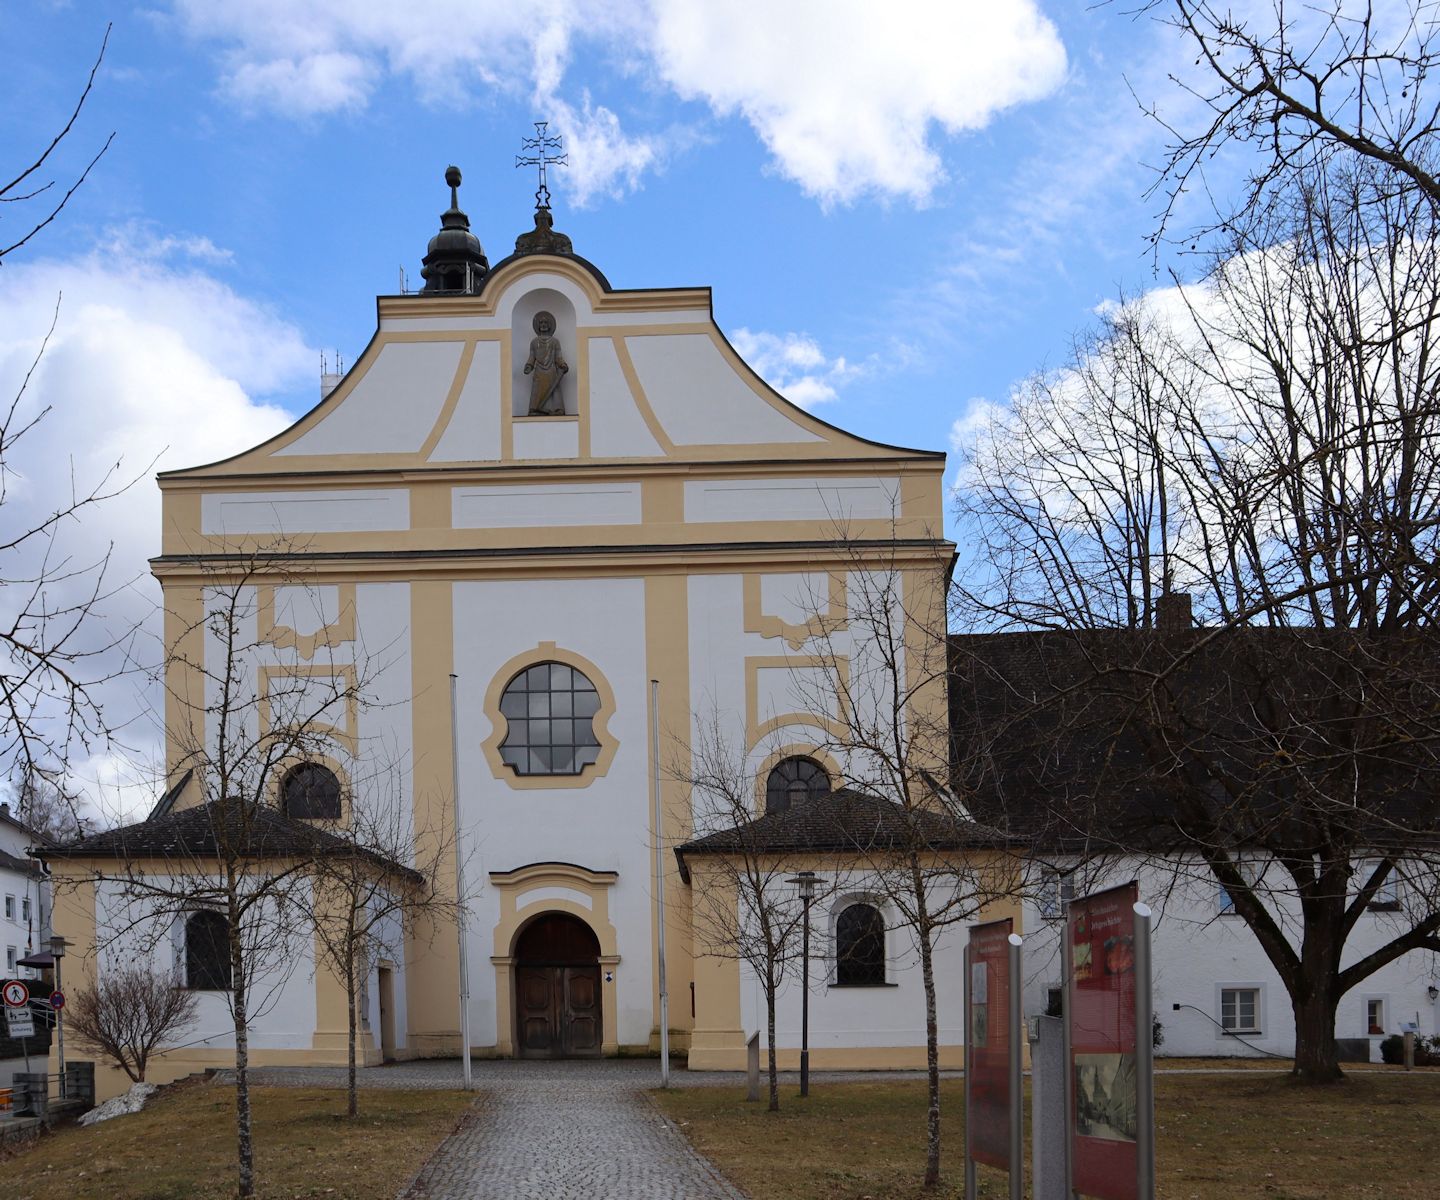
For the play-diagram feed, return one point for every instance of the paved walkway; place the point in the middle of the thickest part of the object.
(568, 1130)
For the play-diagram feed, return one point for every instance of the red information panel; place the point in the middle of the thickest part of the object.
(1102, 1043)
(989, 1037)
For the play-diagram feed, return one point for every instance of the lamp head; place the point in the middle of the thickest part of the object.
(806, 882)
(57, 946)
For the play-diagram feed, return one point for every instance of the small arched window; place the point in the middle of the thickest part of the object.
(549, 711)
(310, 792)
(860, 945)
(207, 952)
(794, 780)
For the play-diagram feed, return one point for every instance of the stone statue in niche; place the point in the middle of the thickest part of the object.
(546, 367)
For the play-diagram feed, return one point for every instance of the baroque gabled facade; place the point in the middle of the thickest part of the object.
(556, 491)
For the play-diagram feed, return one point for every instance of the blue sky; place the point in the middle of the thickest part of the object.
(902, 210)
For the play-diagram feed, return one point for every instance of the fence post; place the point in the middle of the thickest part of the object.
(32, 1094)
(80, 1082)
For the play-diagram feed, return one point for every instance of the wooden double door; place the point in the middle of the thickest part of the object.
(557, 989)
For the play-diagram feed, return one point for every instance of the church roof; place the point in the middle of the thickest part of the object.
(253, 830)
(845, 821)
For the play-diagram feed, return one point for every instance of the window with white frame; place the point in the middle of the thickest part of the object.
(1240, 1009)
(1057, 889)
(25, 909)
(10, 957)
(9, 908)
(1375, 1016)
(1224, 901)
(1387, 895)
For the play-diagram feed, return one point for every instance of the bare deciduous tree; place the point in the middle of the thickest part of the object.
(1267, 443)
(130, 1013)
(366, 900)
(1300, 87)
(744, 907)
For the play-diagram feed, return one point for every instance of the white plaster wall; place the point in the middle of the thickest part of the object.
(841, 1017)
(603, 826)
(830, 501)
(542, 505)
(1196, 952)
(617, 430)
(132, 929)
(547, 437)
(311, 511)
(700, 399)
(393, 407)
(473, 434)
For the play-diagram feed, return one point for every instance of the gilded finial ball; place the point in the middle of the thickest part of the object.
(452, 176)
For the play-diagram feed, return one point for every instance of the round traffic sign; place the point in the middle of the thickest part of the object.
(17, 995)
(57, 1000)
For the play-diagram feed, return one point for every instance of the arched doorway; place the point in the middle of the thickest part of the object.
(557, 989)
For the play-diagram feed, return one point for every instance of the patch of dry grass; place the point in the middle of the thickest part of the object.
(182, 1147)
(1220, 1137)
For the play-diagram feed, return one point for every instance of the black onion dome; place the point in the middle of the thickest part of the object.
(454, 261)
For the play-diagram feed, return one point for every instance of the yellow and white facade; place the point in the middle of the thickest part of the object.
(679, 523)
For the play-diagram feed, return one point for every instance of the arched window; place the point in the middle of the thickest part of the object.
(860, 945)
(310, 792)
(207, 952)
(793, 780)
(549, 710)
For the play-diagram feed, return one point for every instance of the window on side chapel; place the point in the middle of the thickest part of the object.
(310, 792)
(207, 952)
(549, 711)
(860, 946)
(794, 780)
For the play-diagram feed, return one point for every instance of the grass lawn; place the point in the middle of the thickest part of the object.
(1221, 1137)
(182, 1147)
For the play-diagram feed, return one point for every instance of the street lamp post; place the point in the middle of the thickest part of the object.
(57, 951)
(805, 882)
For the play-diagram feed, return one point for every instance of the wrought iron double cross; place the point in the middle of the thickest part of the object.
(541, 143)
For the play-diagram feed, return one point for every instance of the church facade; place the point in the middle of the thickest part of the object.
(577, 510)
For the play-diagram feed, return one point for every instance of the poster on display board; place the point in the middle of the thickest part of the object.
(988, 1036)
(1104, 1002)
(993, 1045)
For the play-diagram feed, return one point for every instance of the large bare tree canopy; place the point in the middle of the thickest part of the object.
(1265, 442)
(1300, 86)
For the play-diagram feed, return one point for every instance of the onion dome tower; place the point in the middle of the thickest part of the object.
(454, 262)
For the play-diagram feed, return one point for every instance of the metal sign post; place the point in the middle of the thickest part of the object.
(660, 886)
(1017, 1073)
(1144, 1058)
(969, 1075)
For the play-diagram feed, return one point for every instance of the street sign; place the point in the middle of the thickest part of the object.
(57, 1000)
(19, 1023)
(16, 994)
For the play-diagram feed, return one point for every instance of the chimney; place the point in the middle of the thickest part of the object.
(1172, 613)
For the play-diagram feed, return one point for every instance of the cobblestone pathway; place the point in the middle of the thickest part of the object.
(563, 1131)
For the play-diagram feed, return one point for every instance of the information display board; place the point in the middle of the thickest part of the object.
(1101, 1009)
(987, 1042)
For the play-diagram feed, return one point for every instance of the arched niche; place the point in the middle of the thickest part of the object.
(522, 329)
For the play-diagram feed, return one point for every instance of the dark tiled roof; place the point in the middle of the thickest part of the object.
(1053, 737)
(845, 821)
(24, 865)
(249, 830)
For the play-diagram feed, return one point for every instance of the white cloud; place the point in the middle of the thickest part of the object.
(154, 364)
(847, 96)
(794, 365)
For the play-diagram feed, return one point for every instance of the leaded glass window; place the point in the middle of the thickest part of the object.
(549, 712)
(793, 780)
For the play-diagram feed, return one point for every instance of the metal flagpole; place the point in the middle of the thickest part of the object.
(660, 885)
(1144, 1059)
(1017, 1074)
(1067, 976)
(460, 886)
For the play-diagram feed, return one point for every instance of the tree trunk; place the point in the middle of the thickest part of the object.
(770, 1024)
(1316, 1056)
(244, 1146)
(352, 1100)
(932, 1033)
